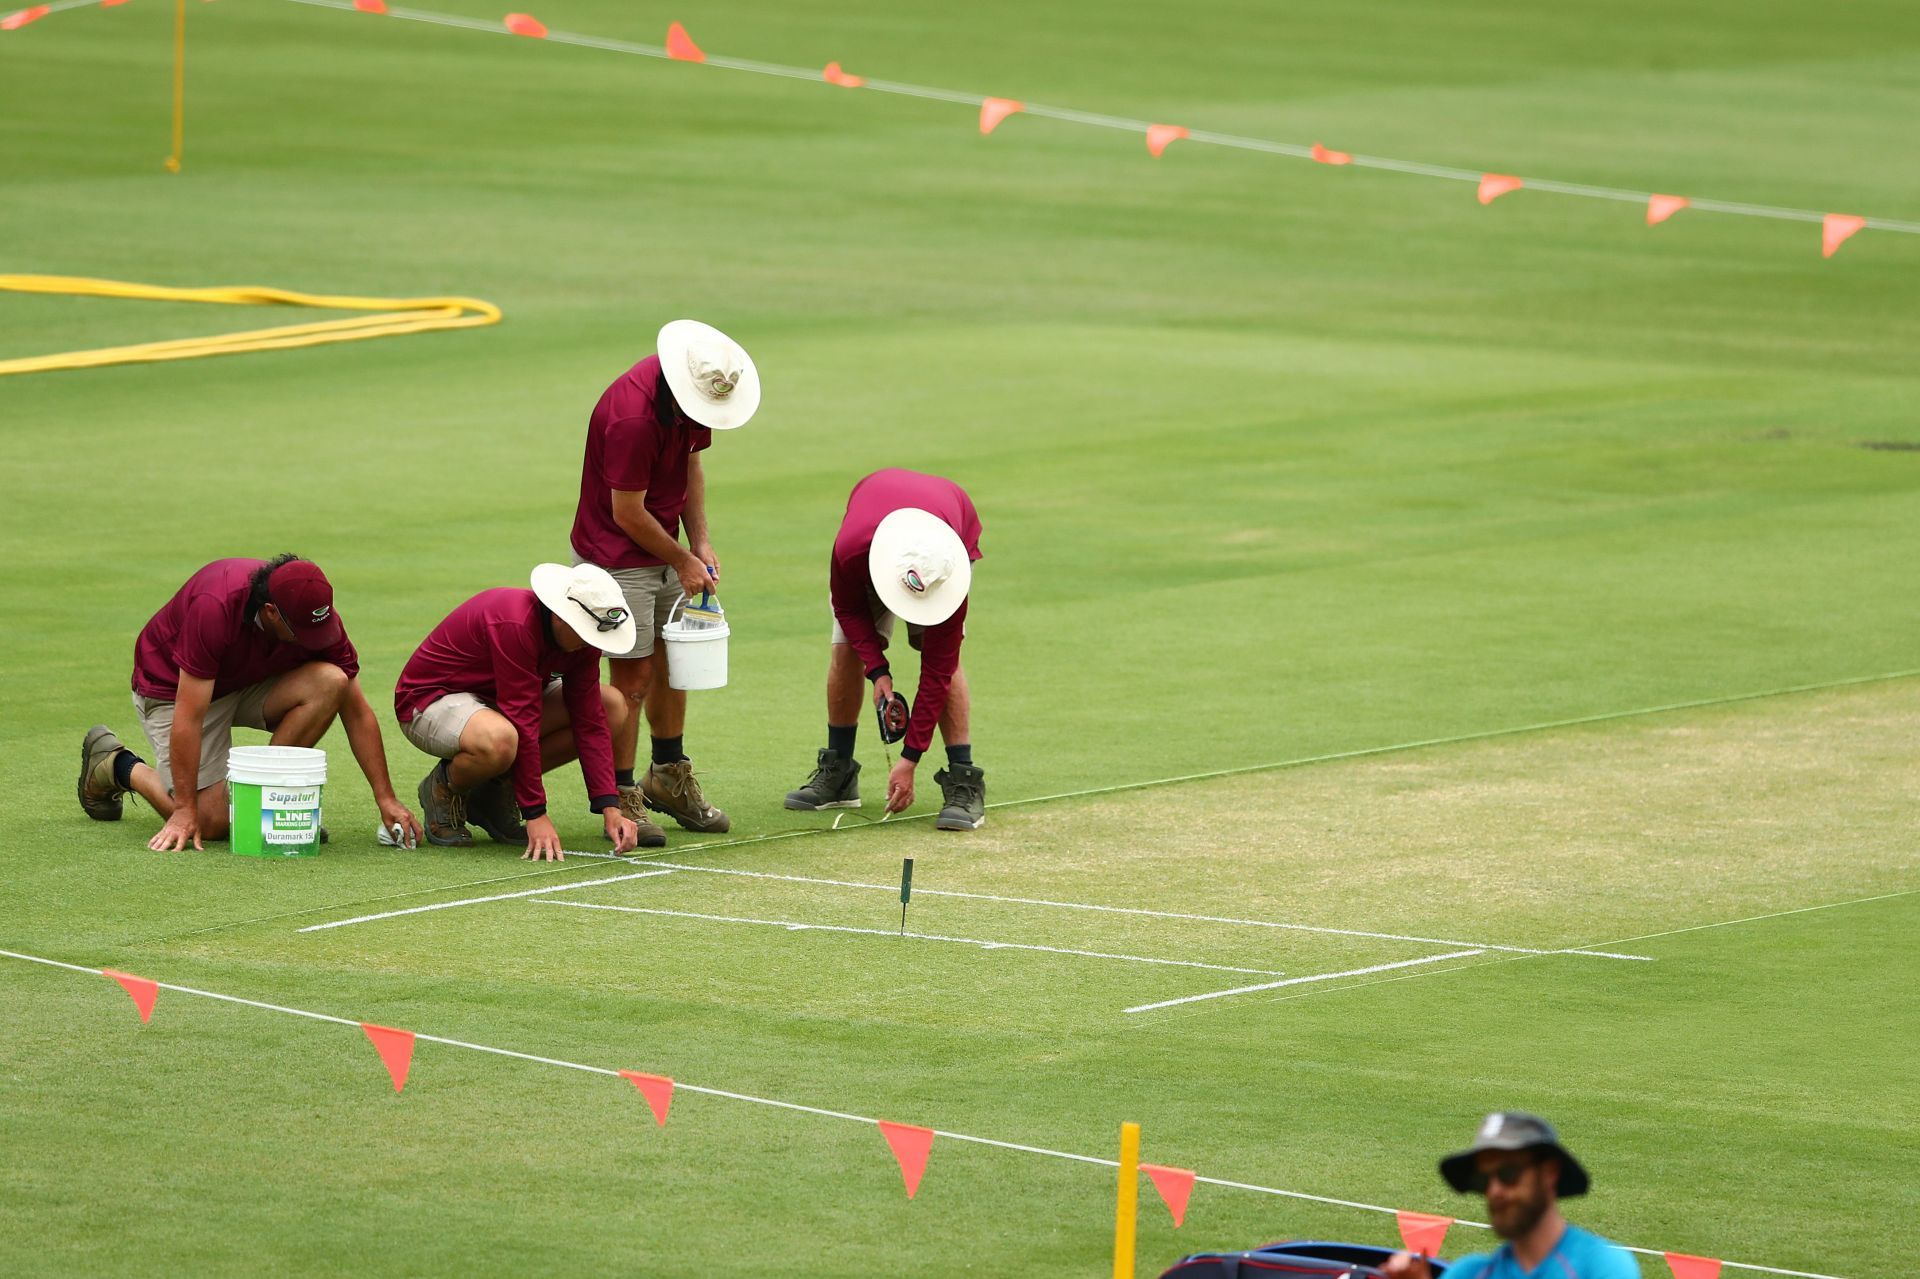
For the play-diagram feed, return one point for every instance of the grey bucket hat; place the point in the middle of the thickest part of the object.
(1515, 1130)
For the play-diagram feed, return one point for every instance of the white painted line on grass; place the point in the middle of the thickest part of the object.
(796, 926)
(1778, 914)
(682, 1086)
(1295, 981)
(475, 901)
(1136, 910)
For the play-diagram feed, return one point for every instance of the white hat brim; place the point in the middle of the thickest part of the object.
(911, 526)
(675, 337)
(551, 583)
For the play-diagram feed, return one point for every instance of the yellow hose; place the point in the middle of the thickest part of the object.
(397, 316)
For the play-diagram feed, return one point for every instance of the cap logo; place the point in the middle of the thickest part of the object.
(320, 614)
(1494, 1123)
(911, 580)
(711, 378)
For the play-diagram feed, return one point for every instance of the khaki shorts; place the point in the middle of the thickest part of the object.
(651, 593)
(246, 708)
(437, 728)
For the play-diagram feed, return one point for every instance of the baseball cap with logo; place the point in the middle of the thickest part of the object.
(712, 379)
(304, 597)
(1515, 1130)
(919, 566)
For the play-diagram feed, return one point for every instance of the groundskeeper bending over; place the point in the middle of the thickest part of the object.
(640, 481)
(905, 549)
(1516, 1161)
(508, 688)
(249, 642)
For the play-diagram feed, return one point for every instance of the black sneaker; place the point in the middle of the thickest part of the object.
(835, 784)
(98, 795)
(493, 809)
(443, 812)
(963, 798)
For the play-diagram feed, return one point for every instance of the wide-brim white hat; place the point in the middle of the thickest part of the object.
(586, 597)
(919, 566)
(711, 376)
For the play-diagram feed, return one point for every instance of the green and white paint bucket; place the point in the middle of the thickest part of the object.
(273, 800)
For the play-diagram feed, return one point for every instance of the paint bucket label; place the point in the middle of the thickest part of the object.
(274, 802)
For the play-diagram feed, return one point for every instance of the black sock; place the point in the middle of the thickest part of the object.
(123, 767)
(840, 739)
(961, 756)
(666, 750)
(624, 777)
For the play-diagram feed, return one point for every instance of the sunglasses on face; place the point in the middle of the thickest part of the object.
(611, 620)
(1507, 1174)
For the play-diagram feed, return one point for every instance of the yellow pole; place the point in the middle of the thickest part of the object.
(179, 82)
(1128, 1208)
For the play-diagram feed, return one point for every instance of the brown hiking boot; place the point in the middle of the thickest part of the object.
(494, 810)
(633, 807)
(443, 812)
(98, 795)
(671, 789)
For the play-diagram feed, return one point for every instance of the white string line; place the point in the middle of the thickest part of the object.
(1133, 910)
(840, 1114)
(795, 926)
(475, 901)
(1294, 981)
(1070, 115)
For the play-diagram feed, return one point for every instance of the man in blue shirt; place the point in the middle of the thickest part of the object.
(1516, 1160)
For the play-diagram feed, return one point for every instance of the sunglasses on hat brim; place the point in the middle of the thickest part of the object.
(611, 620)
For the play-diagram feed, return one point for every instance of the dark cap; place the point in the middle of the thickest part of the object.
(304, 597)
(1515, 1130)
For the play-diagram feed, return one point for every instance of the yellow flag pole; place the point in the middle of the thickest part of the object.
(179, 83)
(1128, 1206)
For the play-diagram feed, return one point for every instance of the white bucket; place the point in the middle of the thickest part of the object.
(274, 800)
(696, 652)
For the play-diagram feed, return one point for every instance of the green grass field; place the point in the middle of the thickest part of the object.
(1278, 463)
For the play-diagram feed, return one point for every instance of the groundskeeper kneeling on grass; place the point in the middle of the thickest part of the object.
(508, 688)
(905, 549)
(1516, 1161)
(249, 642)
(640, 481)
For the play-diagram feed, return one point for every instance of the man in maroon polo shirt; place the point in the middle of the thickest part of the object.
(640, 481)
(905, 549)
(508, 688)
(248, 642)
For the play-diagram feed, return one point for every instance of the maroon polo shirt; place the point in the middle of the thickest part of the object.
(496, 646)
(204, 631)
(872, 500)
(636, 440)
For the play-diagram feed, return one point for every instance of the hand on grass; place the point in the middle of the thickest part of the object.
(900, 787)
(182, 828)
(394, 813)
(543, 841)
(624, 833)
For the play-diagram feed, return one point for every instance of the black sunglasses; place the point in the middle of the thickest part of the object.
(611, 620)
(1507, 1174)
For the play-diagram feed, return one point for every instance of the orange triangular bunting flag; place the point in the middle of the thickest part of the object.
(680, 45)
(14, 21)
(1835, 230)
(910, 1145)
(994, 110)
(834, 75)
(1495, 185)
(657, 1089)
(1175, 1186)
(1422, 1232)
(1161, 136)
(395, 1048)
(144, 992)
(108, 4)
(1687, 1266)
(370, 6)
(1325, 156)
(1662, 207)
(524, 24)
